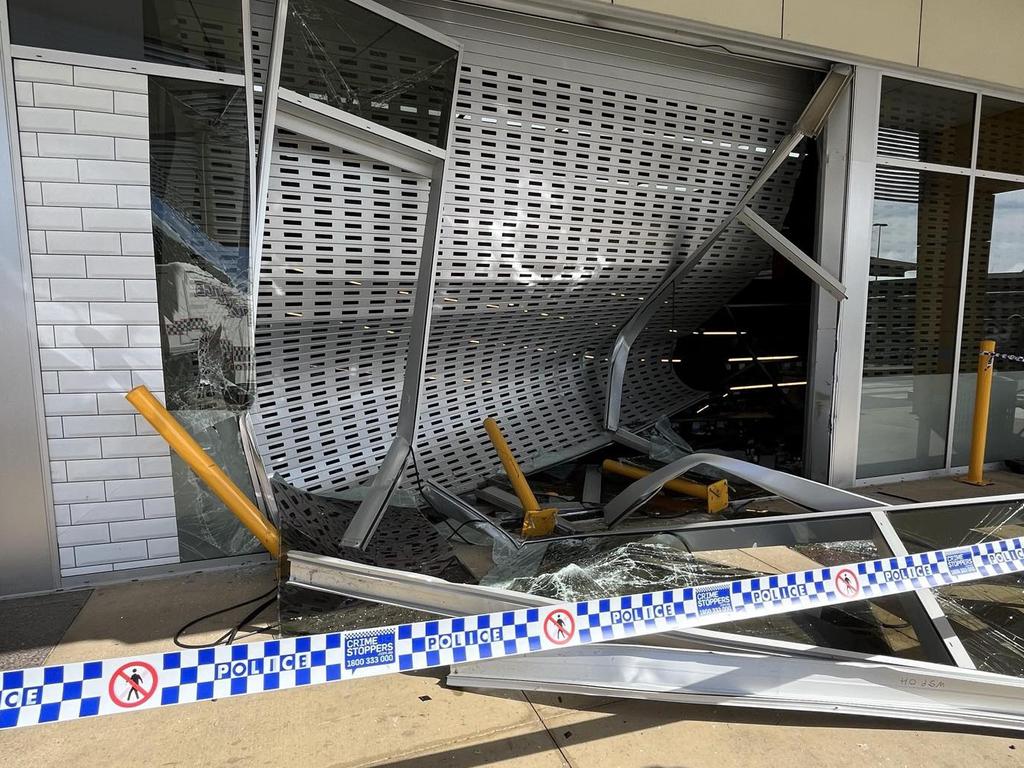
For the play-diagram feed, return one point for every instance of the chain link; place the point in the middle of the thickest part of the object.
(1004, 356)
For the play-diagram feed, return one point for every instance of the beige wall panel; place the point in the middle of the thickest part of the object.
(763, 17)
(881, 29)
(983, 39)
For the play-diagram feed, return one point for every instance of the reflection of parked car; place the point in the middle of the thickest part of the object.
(206, 324)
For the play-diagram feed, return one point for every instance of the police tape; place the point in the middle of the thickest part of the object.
(87, 689)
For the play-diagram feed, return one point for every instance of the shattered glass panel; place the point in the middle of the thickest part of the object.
(201, 34)
(987, 616)
(404, 541)
(207, 530)
(199, 178)
(360, 62)
(199, 175)
(600, 566)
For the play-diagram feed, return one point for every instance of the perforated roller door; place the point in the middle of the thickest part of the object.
(577, 157)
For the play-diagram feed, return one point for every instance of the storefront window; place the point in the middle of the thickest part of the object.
(930, 293)
(994, 309)
(925, 122)
(913, 300)
(1001, 137)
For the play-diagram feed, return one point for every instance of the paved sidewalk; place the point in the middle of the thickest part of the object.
(414, 721)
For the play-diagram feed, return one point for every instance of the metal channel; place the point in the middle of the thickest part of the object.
(799, 490)
(151, 68)
(809, 123)
(924, 693)
(792, 253)
(964, 266)
(384, 484)
(266, 149)
(938, 618)
(860, 186)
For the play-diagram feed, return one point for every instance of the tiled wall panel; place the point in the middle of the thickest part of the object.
(84, 142)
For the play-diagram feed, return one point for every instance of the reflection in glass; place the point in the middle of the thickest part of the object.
(363, 63)
(199, 180)
(987, 616)
(913, 300)
(925, 122)
(1001, 136)
(202, 34)
(994, 309)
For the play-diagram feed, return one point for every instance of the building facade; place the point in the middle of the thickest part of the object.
(550, 163)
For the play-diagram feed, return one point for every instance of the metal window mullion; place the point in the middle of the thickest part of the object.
(334, 115)
(267, 130)
(250, 102)
(962, 298)
(135, 66)
(18, 210)
(792, 253)
(850, 337)
(384, 484)
(386, 481)
(940, 622)
(920, 165)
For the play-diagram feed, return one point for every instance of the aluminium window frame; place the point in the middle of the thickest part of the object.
(293, 111)
(864, 160)
(432, 594)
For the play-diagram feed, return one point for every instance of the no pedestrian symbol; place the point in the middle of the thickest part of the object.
(132, 684)
(847, 583)
(559, 626)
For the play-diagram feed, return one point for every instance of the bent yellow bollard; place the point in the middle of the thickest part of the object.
(536, 521)
(982, 398)
(200, 462)
(716, 494)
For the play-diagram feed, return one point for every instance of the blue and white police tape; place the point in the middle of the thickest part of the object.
(86, 689)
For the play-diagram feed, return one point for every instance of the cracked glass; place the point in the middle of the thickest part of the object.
(352, 59)
(199, 183)
(987, 616)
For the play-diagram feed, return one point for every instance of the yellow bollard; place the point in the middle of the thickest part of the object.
(200, 462)
(716, 494)
(536, 521)
(979, 429)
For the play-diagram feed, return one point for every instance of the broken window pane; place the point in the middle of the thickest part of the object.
(199, 183)
(987, 616)
(573, 569)
(360, 62)
(199, 176)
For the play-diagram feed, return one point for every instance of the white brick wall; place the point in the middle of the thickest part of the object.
(85, 153)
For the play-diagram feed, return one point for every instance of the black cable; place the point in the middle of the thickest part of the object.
(232, 634)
